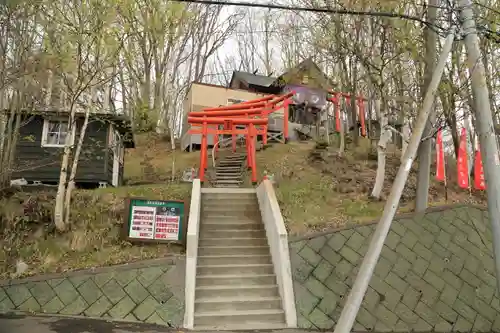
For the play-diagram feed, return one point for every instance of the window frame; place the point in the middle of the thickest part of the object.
(231, 101)
(45, 133)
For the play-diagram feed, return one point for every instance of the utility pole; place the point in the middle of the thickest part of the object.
(484, 123)
(358, 291)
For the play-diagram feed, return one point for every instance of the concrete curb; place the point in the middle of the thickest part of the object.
(92, 271)
(352, 225)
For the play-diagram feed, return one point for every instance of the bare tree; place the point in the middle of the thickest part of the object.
(84, 46)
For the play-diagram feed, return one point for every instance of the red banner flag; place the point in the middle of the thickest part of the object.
(440, 167)
(337, 111)
(462, 165)
(479, 182)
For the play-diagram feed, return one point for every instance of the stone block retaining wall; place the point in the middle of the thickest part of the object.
(436, 273)
(151, 291)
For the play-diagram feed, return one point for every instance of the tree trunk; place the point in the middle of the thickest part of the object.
(385, 136)
(74, 167)
(425, 149)
(59, 213)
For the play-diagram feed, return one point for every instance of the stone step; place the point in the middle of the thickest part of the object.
(234, 171)
(231, 225)
(231, 167)
(226, 185)
(228, 219)
(235, 175)
(236, 214)
(230, 162)
(234, 259)
(229, 173)
(219, 207)
(223, 319)
(247, 241)
(237, 303)
(228, 176)
(228, 168)
(242, 291)
(224, 201)
(228, 281)
(227, 250)
(233, 158)
(232, 233)
(229, 181)
(239, 201)
(239, 193)
(240, 269)
(242, 327)
(235, 155)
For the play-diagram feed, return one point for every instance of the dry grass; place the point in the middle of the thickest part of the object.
(94, 236)
(315, 192)
(152, 161)
(97, 216)
(318, 193)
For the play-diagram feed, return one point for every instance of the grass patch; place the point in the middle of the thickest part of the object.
(315, 187)
(153, 160)
(318, 191)
(94, 236)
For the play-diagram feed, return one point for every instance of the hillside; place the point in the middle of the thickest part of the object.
(316, 191)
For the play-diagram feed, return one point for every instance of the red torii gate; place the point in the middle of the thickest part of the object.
(335, 99)
(210, 119)
(229, 123)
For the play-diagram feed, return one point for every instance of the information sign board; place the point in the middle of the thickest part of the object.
(155, 220)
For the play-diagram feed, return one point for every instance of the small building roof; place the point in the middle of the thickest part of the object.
(253, 79)
(121, 122)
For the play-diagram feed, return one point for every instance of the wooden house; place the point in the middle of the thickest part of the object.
(41, 142)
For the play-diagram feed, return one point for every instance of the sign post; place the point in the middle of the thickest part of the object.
(154, 221)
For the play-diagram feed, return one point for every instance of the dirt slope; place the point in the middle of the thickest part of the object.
(316, 191)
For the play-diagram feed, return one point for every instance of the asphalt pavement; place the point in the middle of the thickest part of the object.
(13, 323)
(16, 323)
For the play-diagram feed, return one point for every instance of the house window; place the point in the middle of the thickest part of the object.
(54, 133)
(231, 101)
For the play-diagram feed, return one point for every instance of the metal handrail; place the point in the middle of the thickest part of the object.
(217, 144)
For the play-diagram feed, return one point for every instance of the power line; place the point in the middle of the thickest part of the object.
(323, 10)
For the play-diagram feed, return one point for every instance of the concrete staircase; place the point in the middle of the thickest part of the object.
(229, 170)
(235, 282)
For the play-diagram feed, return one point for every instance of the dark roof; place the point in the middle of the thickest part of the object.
(308, 63)
(253, 79)
(121, 122)
(268, 81)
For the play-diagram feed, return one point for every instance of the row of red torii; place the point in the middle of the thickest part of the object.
(253, 115)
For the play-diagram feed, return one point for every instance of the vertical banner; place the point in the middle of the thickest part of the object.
(337, 111)
(440, 167)
(479, 182)
(462, 165)
(361, 109)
